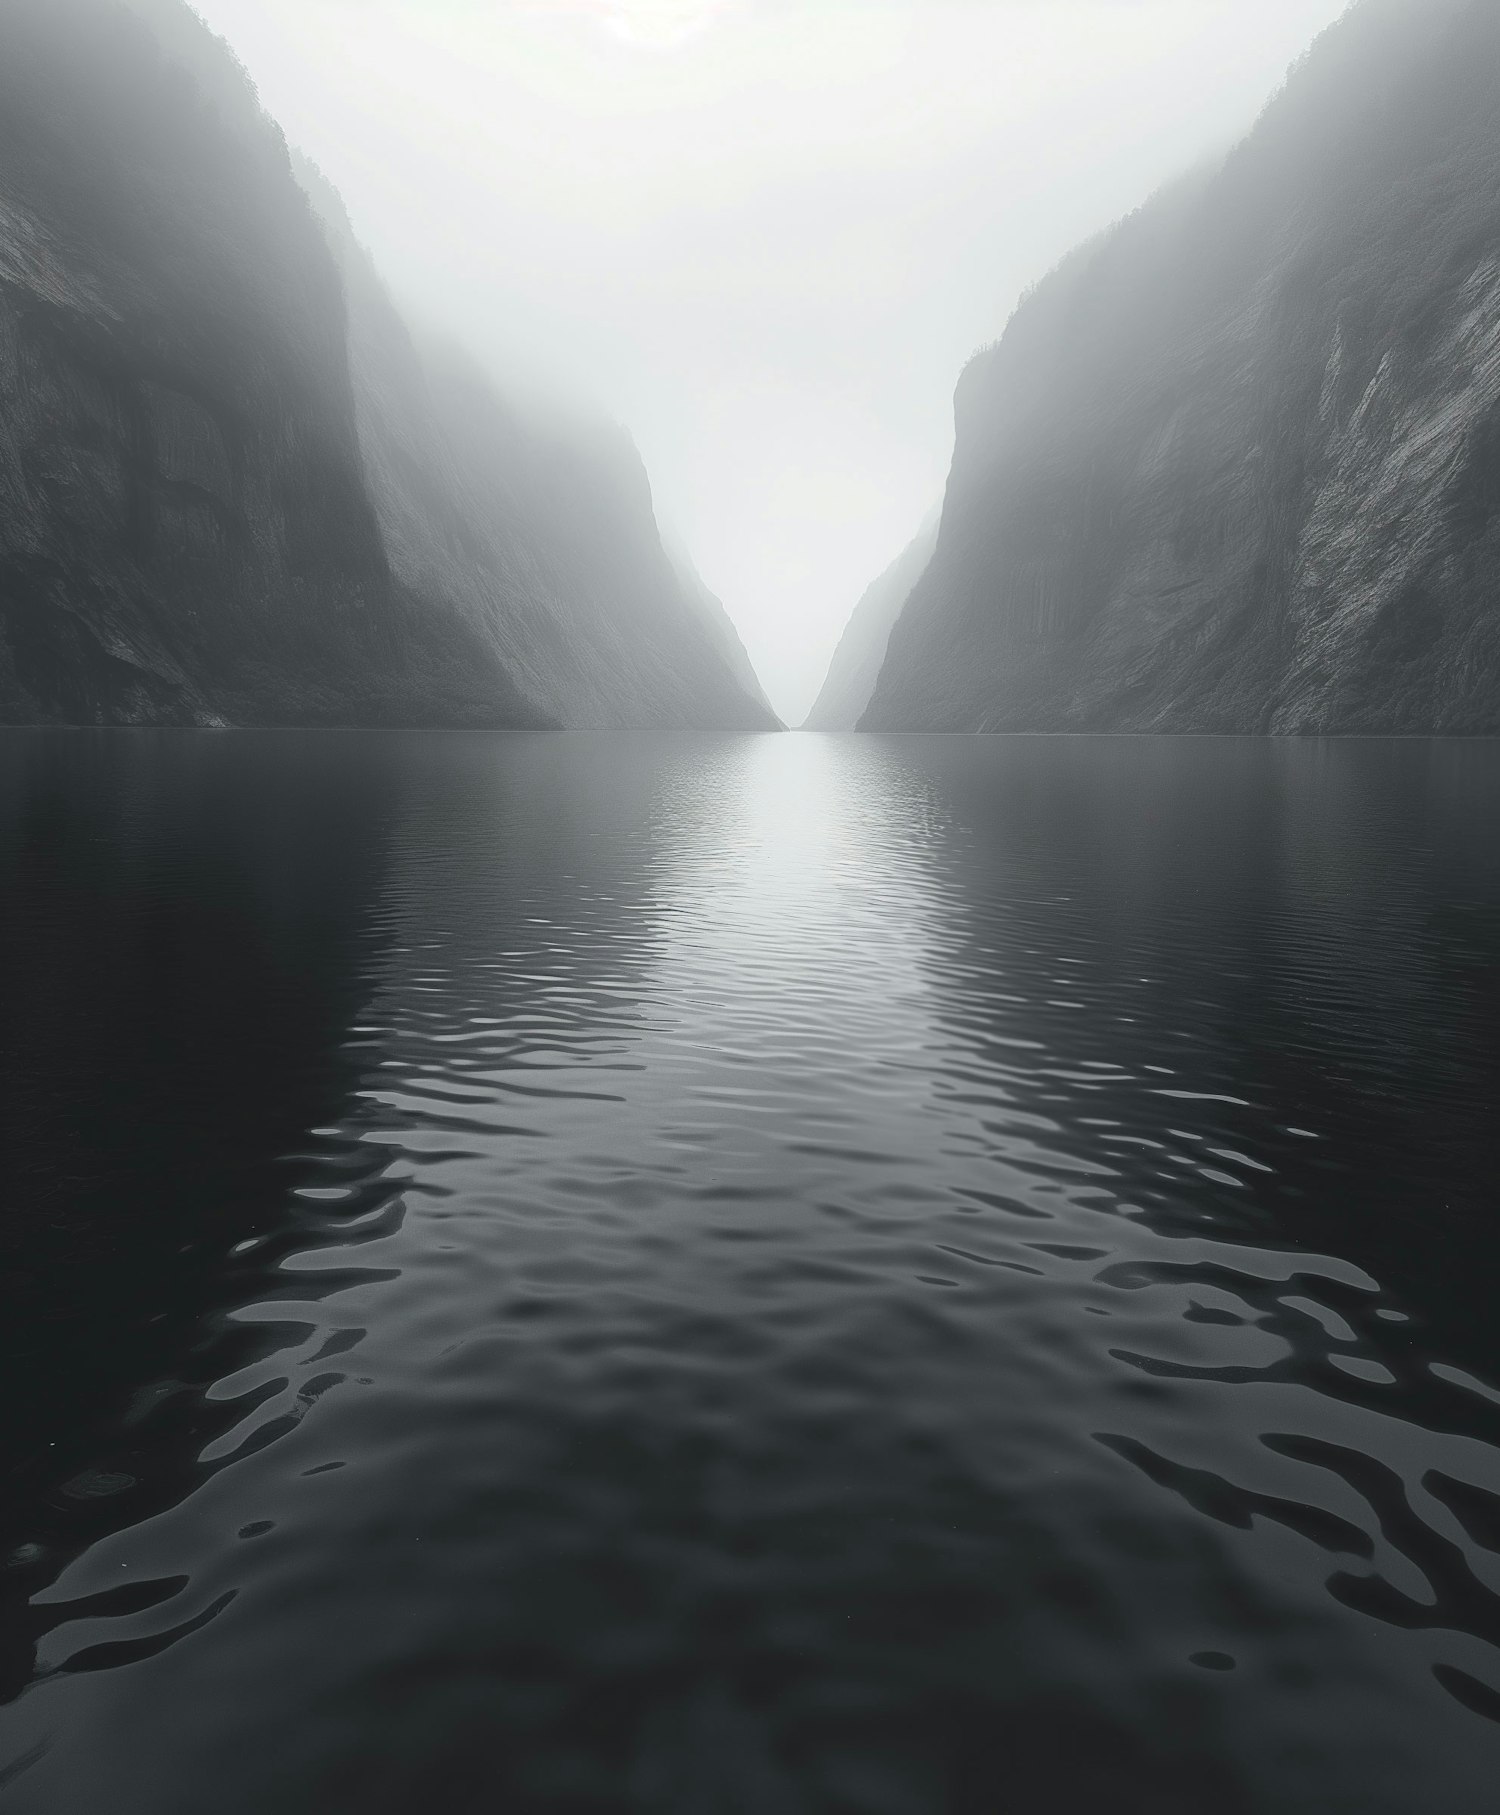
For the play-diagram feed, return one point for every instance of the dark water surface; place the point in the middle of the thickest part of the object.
(770, 1276)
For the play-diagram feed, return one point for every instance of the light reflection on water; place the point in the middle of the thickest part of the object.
(790, 1274)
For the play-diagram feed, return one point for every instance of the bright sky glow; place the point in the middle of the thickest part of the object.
(764, 234)
(656, 23)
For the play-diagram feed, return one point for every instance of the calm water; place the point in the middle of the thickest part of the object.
(778, 1276)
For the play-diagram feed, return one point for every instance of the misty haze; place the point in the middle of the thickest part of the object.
(749, 906)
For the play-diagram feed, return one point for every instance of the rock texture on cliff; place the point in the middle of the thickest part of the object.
(184, 532)
(856, 663)
(232, 488)
(1236, 465)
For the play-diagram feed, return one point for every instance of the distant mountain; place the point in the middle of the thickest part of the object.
(233, 489)
(855, 667)
(1235, 466)
(539, 529)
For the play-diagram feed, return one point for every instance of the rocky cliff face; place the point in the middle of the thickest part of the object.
(184, 532)
(1236, 466)
(233, 489)
(539, 529)
(856, 663)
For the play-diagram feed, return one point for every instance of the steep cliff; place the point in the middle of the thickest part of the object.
(720, 626)
(1236, 465)
(236, 489)
(856, 663)
(185, 536)
(537, 527)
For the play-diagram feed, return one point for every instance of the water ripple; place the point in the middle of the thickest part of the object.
(788, 1274)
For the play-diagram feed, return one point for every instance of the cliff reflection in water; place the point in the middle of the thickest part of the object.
(181, 936)
(789, 1274)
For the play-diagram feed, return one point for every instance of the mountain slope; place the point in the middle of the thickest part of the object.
(184, 532)
(856, 663)
(538, 529)
(235, 489)
(721, 627)
(1236, 465)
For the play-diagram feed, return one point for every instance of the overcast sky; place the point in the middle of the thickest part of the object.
(763, 234)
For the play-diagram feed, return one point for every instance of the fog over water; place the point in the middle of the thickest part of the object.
(764, 234)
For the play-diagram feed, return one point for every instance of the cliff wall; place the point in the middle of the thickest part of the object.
(1236, 465)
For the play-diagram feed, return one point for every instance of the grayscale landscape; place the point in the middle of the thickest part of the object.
(749, 907)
